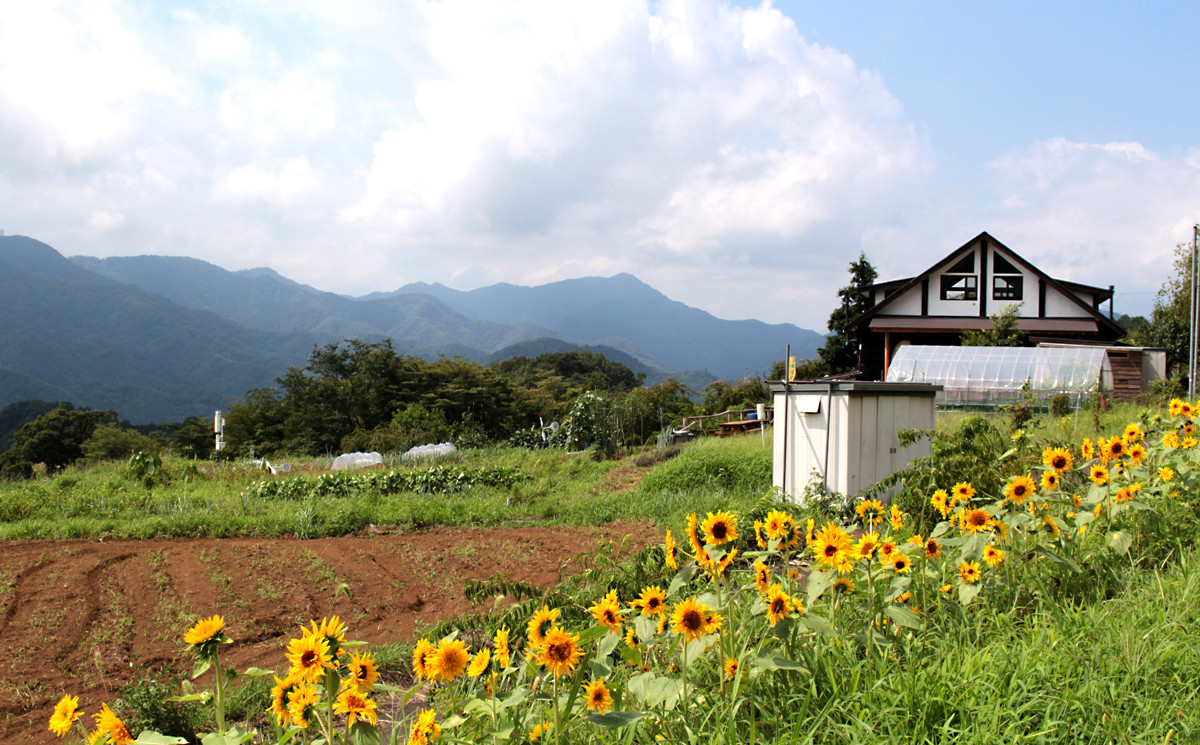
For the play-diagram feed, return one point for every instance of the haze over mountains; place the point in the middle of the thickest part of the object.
(160, 338)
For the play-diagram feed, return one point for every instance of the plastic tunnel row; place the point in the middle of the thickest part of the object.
(988, 376)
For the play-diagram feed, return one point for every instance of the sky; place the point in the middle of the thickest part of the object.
(735, 156)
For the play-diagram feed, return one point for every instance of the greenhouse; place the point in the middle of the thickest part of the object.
(990, 376)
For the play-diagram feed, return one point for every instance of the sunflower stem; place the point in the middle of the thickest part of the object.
(220, 673)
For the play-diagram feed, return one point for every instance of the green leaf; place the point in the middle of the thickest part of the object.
(592, 634)
(1062, 560)
(600, 668)
(257, 671)
(1120, 541)
(200, 668)
(682, 577)
(363, 733)
(615, 719)
(968, 591)
(898, 587)
(819, 624)
(973, 548)
(232, 736)
(902, 616)
(453, 721)
(202, 697)
(768, 661)
(940, 529)
(608, 644)
(645, 627)
(1084, 517)
(518, 696)
(818, 582)
(153, 738)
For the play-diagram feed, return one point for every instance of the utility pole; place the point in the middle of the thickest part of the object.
(1194, 320)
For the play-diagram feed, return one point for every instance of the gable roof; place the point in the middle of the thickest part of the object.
(1067, 289)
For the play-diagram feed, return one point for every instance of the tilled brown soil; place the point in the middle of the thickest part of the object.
(84, 617)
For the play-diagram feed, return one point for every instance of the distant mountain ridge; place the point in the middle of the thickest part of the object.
(160, 338)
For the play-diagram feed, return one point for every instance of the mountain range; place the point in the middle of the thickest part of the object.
(159, 338)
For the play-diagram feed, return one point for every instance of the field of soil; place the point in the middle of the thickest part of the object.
(84, 617)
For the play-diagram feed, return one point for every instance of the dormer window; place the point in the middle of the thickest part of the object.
(1010, 287)
(960, 287)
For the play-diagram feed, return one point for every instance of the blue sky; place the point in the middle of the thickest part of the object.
(735, 156)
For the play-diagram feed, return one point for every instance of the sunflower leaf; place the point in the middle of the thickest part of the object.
(819, 624)
(600, 668)
(200, 667)
(967, 592)
(645, 627)
(615, 719)
(363, 733)
(902, 616)
(518, 697)
(1120, 541)
(682, 577)
(1062, 560)
(232, 736)
(818, 582)
(607, 645)
(153, 738)
(257, 671)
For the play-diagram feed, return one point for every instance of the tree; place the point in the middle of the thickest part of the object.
(55, 438)
(110, 441)
(840, 351)
(1170, 320)
(1005, 331)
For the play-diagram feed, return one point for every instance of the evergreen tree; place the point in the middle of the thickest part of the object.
(840, 351)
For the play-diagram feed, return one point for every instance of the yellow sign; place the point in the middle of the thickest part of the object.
(791, 374)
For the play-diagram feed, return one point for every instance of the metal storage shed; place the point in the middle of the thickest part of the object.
(845, 432)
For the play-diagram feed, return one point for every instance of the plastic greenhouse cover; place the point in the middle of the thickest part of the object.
(980, 375)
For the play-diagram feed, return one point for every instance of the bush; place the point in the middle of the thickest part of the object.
(1060, 404)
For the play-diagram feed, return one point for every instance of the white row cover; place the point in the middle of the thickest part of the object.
(984, 375)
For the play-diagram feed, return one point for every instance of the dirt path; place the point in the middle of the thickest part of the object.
(83, 617)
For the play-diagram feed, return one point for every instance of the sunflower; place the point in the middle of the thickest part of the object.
(713, 622)
(1050, 480)
(449, 660)
(762, 576)
(1170, 440)
(694, 538)
(597, 697)
(831, 545)
(901, 563)
(607, 611)
(940, 500)
(560, 651)
(720, 528)
(652, 601)
(843, 586)
(1087, 450)
(302, 699)
(542, 621)
(688, 619)
(897, 518)
(903, 598)
(631, 638)
(205, 631)
(866, 545)
(363, 670)
(1133, 433)
(870, 511)
(933, 549)
(730, 667)
(1127, 493)
(111, 725)
(962, 491)
(421, 654)
(355, 704)
(669, 551)
(334, 632)
(1099, 475)
(1189, 428)
(1057, 458)
(719, 568)
(759, 537)
(425, 729)
(777, 524)
(993, 556)
(779, 605)
(1166, 473)
(1175, 408)
(279, 700)
(309, 656)
(968, 572)
(66, 711)
(538, 730)
(1114, 448)
(808, 531)
(1188, 443)
(1019, 488)
(479, 663)
(975, 521)
(1137, 453)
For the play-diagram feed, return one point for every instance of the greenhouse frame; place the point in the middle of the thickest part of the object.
(992, 376)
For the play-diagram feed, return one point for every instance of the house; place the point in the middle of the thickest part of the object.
(958, 293)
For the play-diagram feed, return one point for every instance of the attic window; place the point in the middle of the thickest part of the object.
(1007, 288)
(960, 287)
(1001, 265)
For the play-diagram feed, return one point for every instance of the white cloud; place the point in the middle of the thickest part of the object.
(283, 185)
